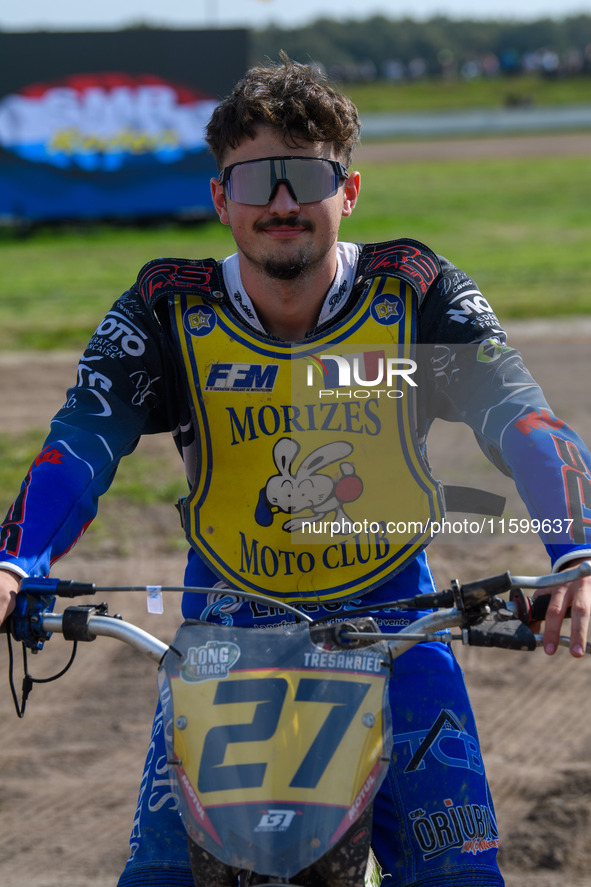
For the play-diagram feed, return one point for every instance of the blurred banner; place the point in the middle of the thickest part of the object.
(111, 125)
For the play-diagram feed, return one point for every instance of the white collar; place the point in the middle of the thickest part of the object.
(338, 292)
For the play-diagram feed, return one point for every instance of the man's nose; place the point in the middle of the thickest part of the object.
(283, 200)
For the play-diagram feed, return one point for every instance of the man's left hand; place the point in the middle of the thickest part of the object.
(577, 596)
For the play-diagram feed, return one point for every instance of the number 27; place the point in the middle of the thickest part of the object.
(269, 694)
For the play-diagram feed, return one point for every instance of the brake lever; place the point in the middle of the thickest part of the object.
(529, 610)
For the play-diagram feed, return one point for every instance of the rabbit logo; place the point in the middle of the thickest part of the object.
(307, 489)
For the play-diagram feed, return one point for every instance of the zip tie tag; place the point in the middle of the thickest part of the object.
(154, 600)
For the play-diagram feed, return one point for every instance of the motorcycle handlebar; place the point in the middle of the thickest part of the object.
(106, 626)
(461, 605)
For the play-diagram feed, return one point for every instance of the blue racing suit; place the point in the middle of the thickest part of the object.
(434, 821)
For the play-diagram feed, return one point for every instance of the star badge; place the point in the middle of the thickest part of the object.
(199, 320)
(387, 308)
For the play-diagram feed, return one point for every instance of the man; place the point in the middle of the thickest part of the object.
(219, 351)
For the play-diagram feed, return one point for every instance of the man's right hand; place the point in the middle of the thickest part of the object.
(9, 586)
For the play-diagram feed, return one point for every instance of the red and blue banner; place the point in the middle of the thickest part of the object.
(122, 137)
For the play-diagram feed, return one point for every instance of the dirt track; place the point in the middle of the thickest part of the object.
(71, 768)
(561, 144)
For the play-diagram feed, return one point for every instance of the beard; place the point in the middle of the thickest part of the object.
(284, 269)
(280, 267)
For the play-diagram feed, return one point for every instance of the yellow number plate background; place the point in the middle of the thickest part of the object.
(299, 723)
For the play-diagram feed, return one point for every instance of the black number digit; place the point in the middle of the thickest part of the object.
(347, 696)
(214, 775)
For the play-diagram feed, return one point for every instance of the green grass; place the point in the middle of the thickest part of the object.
(455, 94)
(60, 281)
(521, 227)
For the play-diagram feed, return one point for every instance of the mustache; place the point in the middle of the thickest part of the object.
(287, 222)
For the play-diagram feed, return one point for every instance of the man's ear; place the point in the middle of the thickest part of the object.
(218, 196)
(352, 186)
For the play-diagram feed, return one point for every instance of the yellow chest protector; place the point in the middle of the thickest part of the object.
(310, 483)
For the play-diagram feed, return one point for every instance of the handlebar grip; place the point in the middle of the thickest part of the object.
(531, 609)
(58, 587)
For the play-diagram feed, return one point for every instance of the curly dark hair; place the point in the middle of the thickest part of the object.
(295, 99)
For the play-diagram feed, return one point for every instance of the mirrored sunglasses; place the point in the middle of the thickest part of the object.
(308, 178)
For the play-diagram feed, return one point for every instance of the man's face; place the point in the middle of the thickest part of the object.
(283, 238)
